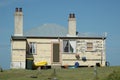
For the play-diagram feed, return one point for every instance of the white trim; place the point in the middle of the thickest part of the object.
(18, 34)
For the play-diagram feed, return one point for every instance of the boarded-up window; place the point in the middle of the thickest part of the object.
(56, 52)
(89, 46)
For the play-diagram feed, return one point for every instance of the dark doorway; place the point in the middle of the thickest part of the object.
(56, 57)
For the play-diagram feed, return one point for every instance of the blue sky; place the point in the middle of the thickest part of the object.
(93, 16)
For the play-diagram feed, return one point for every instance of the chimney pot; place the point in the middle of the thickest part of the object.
(72, 15)
(20, 9)
(16, 9)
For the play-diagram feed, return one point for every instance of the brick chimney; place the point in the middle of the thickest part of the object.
(72, 25)
(18, 22)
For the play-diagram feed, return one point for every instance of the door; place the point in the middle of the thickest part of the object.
(56, 55)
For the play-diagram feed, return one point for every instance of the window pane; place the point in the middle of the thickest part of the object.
(72, 46)
(66, 49)
(69, 46)
(89, 46)
(32, 48)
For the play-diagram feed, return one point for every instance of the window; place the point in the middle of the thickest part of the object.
(32, 48)
(69, 46)
(89, 46)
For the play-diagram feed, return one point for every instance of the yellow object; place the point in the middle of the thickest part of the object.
(29, 58)
(40, 63)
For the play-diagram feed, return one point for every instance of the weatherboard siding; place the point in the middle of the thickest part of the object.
(20, 52)
(18, 55)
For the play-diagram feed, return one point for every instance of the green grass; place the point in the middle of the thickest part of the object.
(87, 73)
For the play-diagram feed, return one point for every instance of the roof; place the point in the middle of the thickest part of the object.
(48, 30)
(54, 31)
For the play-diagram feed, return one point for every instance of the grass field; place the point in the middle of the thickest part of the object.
(86, 73)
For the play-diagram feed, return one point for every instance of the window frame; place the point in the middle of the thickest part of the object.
(89, 46)
(32, 48)
(68, 48)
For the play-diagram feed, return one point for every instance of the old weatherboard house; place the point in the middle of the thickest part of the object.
(53, 45)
